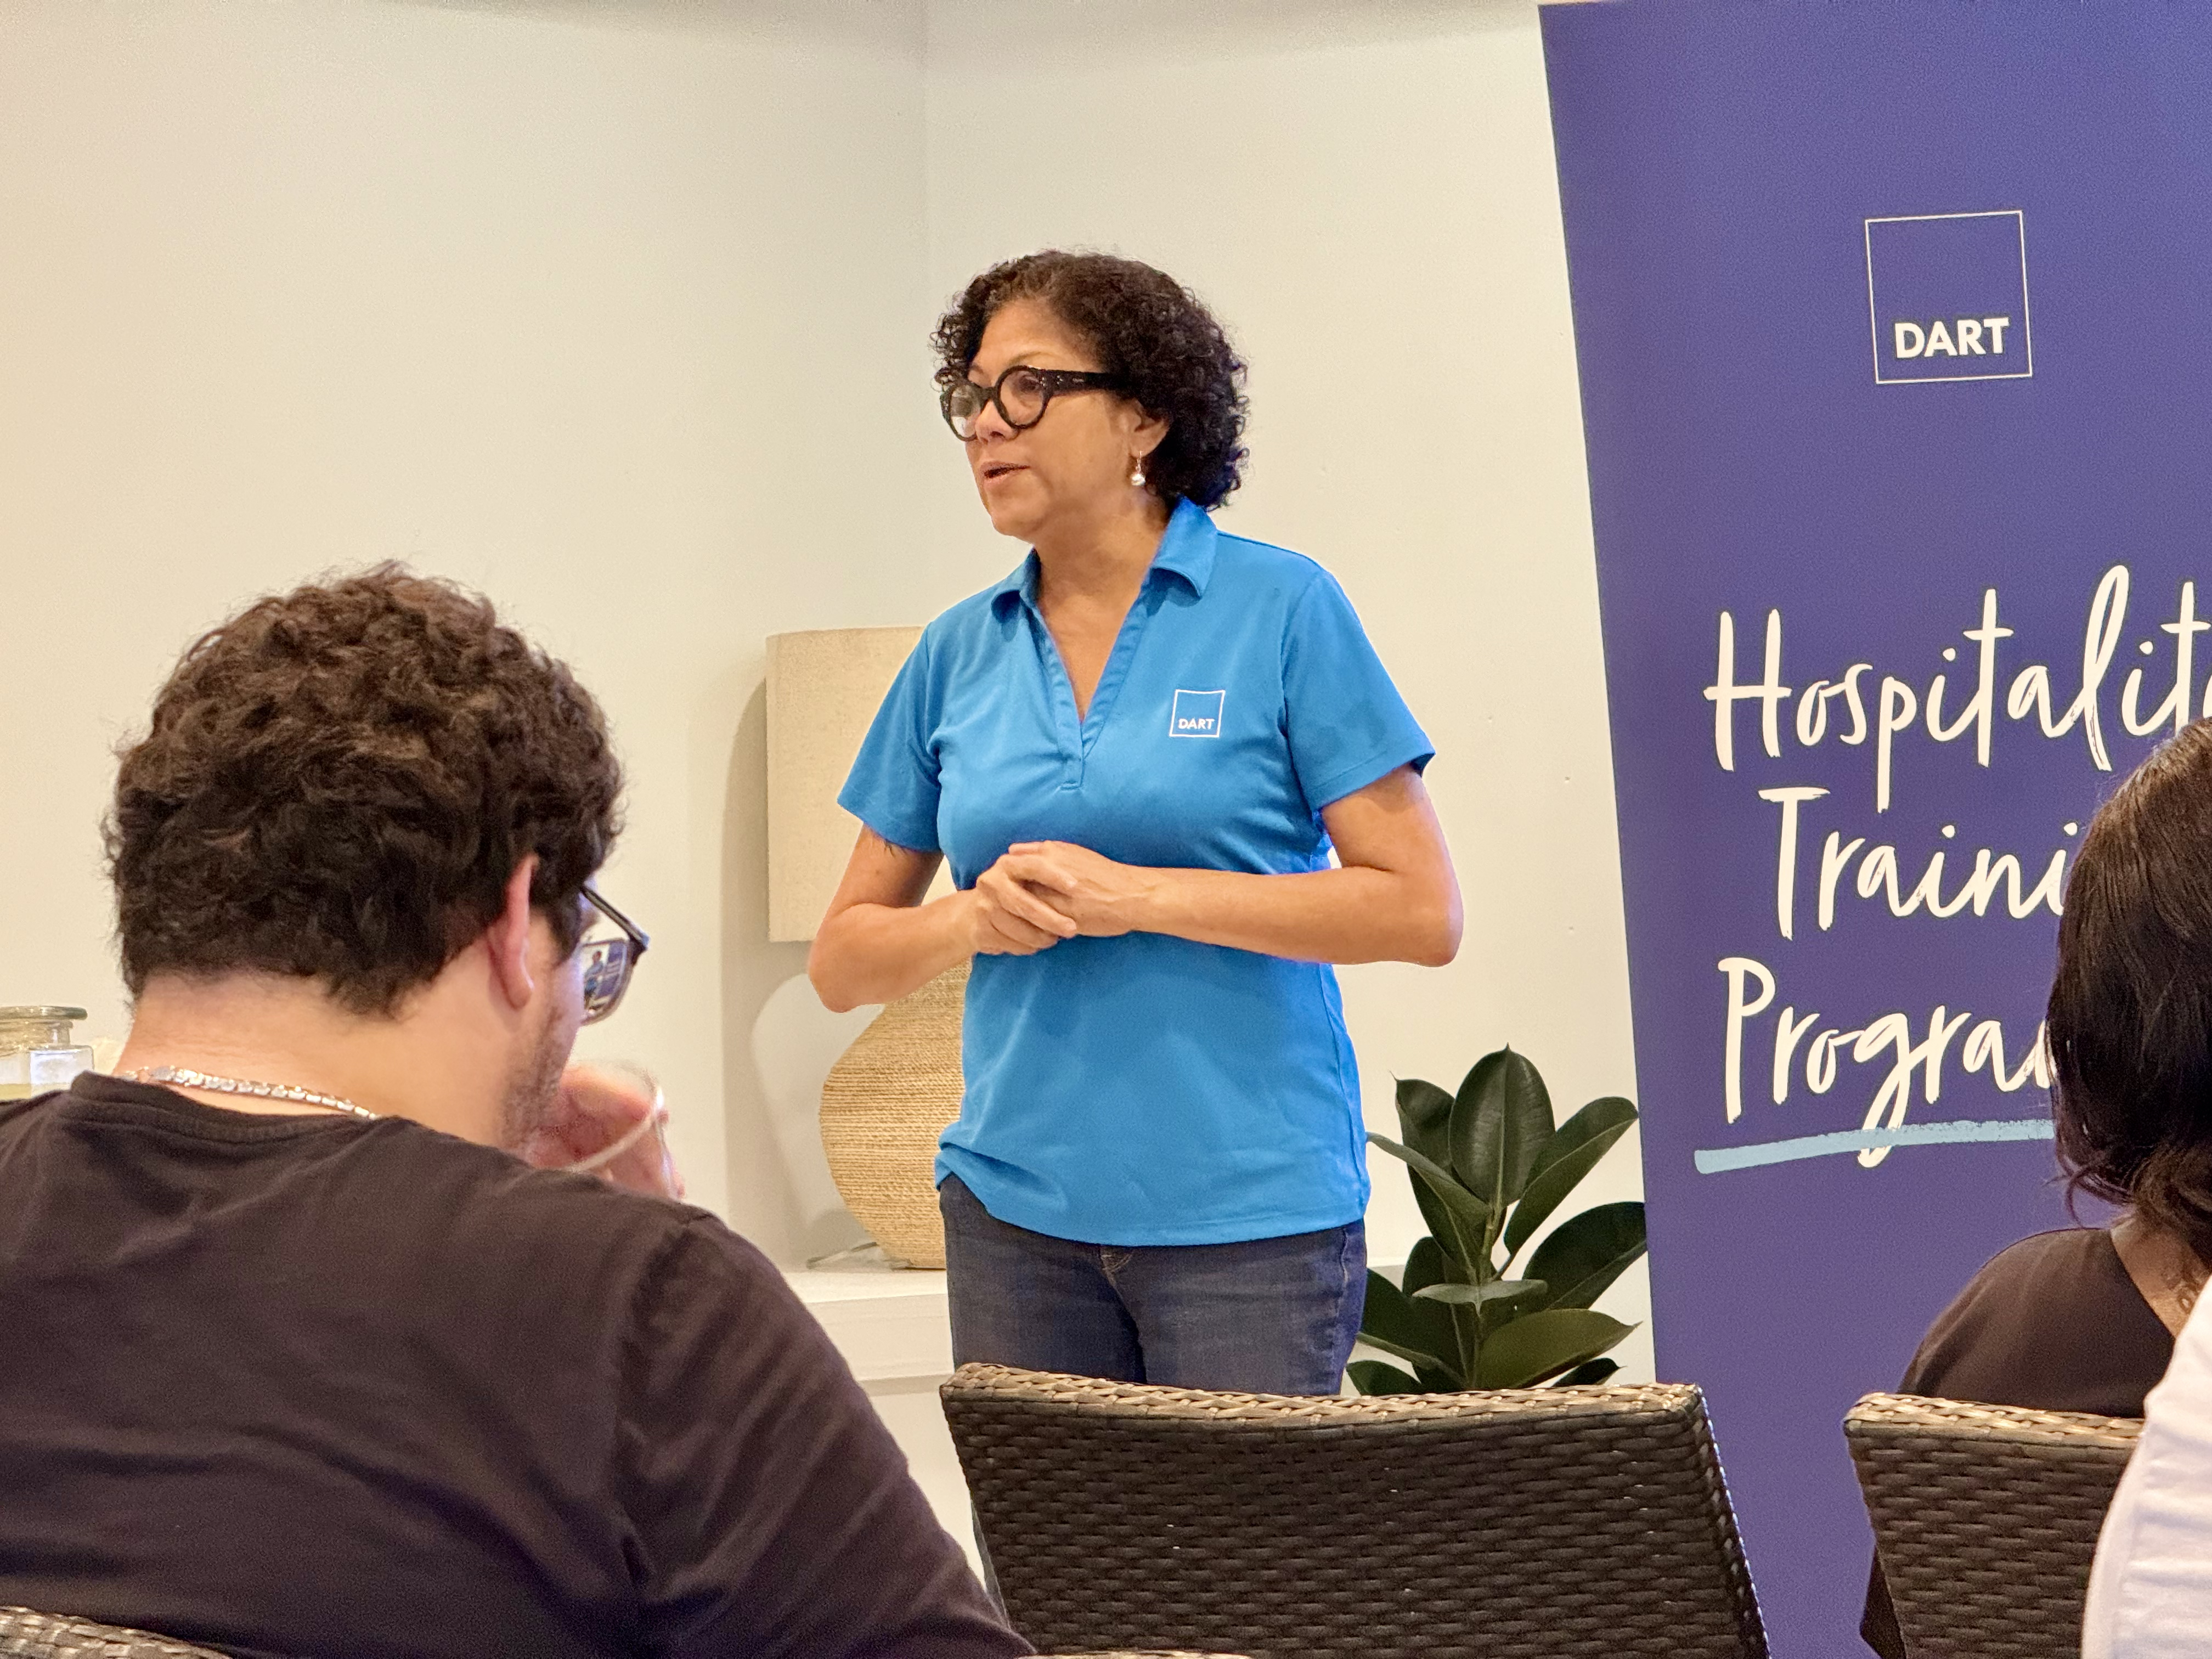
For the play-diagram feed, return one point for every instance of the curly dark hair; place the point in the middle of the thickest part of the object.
(339, 781)
(1148, 330)
(2130, 1016)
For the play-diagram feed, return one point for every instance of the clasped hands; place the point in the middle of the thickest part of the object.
(1041, 893)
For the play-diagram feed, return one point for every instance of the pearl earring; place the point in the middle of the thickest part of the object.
(1137, 475)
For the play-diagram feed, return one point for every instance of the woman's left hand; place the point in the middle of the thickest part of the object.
(1104, 899)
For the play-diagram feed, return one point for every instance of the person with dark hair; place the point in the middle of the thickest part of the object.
(1175, 784)
(2084, 1319)
(301, 1357)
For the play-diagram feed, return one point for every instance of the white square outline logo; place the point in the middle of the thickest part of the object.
(1176, 717)
(1874, 315)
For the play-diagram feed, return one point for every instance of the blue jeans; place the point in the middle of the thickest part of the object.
(1274, 1316)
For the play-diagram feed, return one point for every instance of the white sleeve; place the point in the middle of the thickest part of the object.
(2150, 1592)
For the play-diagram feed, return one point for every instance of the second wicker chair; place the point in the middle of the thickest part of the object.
(1533, 1523)
(1986, 1519)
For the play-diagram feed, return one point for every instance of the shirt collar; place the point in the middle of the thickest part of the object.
(1020, 584)
(1186, 550)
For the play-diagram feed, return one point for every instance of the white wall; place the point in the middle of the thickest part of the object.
(618, 323)
(1365, 195)
(616, 310)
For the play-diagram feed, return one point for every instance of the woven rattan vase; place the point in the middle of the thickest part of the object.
(884, 1103)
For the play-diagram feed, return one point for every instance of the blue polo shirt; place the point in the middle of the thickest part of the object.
(1147, 1090)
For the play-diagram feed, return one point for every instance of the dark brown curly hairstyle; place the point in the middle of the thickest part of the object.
(2131, 1005)
(1149, 331)
(339, 781)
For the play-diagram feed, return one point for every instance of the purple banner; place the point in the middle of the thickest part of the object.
(1895, 332)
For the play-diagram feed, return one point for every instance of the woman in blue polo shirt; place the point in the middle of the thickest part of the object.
(1137, 752)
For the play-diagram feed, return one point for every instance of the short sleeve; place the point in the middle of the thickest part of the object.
(2150, 1586)
(1347, 724)
(772, 1516)
(893, 786)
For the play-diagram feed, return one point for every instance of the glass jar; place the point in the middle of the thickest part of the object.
(36, 1054)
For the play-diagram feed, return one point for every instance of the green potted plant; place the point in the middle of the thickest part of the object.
(1489, 1168)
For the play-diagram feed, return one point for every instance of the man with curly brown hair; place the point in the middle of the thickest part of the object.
(300, 1358)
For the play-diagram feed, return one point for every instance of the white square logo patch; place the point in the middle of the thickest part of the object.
(1948, 296)
(1196, 715)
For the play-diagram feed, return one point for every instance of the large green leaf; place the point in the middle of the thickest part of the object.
(1459, 1242)
(1428, 1264)
(1422, 1336)
(1500, 1121)
(1463, 1217)
(1608, 1112)
(1414, 1357)
(1373, 1376)
(1559, 1173)
(1434, 1379)
(1440, 1180)
(1425, 1112)
(1425, 1265)
(1542, 1344)
(1441, 1381)
(1424, 1327)
(1586, 1253)
(1388, 1315)
(1482, 1296)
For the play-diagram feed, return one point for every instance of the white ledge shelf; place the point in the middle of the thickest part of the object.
(891, 1323)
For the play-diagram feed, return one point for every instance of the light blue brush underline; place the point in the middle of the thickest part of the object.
(1715, 1159)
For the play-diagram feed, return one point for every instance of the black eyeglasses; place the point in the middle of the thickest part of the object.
(1022, 395)
(608, 963)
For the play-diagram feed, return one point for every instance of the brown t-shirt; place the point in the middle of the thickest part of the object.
(2053, 1323)
(313, 1387)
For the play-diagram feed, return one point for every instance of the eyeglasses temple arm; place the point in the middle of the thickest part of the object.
(637, 934)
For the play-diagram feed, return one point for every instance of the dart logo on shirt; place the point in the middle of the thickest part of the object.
(1196, 715)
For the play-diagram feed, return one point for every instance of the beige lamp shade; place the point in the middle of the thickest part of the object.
(823, 689)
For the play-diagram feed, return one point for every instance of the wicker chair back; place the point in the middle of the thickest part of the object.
(1986, 1518)
(1528, 1523)
(28, 1635)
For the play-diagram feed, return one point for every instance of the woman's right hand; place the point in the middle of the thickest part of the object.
(880, 941)
(1003, 918)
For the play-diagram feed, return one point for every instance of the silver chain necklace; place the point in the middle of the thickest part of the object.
(183, 1076)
